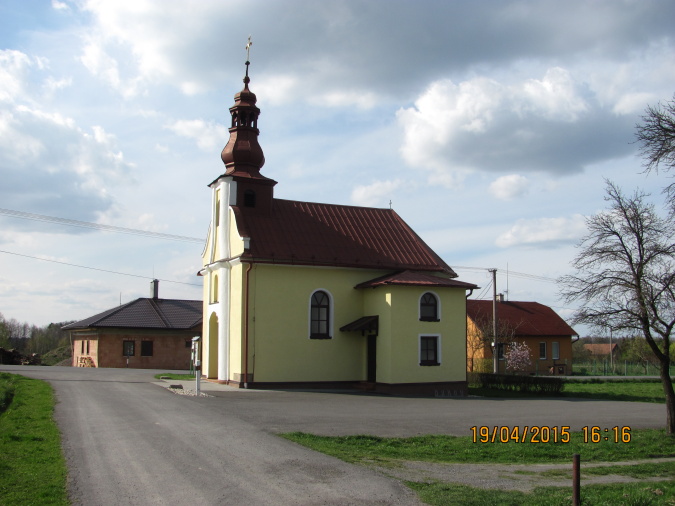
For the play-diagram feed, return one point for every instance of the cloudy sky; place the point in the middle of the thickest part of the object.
(489, 126)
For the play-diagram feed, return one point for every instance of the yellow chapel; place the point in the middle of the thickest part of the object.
(310, 295)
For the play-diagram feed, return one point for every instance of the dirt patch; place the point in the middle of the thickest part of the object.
(523, 477)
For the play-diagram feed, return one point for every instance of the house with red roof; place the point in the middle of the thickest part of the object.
(304, 294)
(547, 336)
(146, 333)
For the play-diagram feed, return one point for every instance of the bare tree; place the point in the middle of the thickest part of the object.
(656, 135)
(625, 278)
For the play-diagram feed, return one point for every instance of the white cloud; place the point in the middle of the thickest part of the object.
(376, 194)
(75, 169)
(549, 124)
(543, 231)
(555, 97)
(509, 187)
(13, 68)
(209, 136)
(60, 6)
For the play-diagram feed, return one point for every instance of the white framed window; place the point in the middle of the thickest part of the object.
(542, 351)
(429, 349)
(429, 307)
(555, 351)
(321, 315)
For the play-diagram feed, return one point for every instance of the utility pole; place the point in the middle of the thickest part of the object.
(495, 357)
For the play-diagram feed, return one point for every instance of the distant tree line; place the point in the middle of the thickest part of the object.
(28, 339)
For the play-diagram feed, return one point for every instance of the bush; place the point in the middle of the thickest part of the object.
(540, 385)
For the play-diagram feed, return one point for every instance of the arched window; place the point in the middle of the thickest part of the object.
(319, 325)
(429, 308)
(214, 291)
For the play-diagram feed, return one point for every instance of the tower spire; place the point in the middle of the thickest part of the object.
(243, 155)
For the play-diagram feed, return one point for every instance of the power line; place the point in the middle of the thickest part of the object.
(96, 268)
(96, 226)
(510, 273)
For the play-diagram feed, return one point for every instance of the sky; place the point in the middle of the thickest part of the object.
(490, 127)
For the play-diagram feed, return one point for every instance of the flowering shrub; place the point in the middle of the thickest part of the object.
(517, 357)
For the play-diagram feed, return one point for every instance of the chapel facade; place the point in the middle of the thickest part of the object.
(304, 294)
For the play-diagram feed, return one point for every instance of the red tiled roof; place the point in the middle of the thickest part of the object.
(170, 314)
(308, 233)
(527, 318)
(415, 279)
(600, 348)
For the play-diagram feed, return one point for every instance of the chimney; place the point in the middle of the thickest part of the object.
(154, 288)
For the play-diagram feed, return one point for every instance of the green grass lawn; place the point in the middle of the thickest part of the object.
(175, 376)
(644, 444)
(629, 494)
(32, 467)
(617, 390)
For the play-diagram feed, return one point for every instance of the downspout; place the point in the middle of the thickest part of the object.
(248, 270)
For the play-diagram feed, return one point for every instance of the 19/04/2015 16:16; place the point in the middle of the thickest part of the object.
(596, 434)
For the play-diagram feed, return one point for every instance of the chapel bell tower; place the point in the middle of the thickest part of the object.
(243, 157)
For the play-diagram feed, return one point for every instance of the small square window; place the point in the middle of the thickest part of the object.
(128, 348)
(429, 350)
(146, 348)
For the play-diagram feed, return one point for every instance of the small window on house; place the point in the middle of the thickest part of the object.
(82, 350)
(429, 352)
(146, 348)
(555, 351)
(128, 348)
(320, 316)
(87, 346)
(542, 351)
(249, 198)
(429, 308)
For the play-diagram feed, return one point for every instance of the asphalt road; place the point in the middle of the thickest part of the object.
(128, 441)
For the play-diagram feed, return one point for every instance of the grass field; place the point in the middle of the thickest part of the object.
(175, 376)
(645, 444)
(32, 467)
(629, 494)
(617, 390)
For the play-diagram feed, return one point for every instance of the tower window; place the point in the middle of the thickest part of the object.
(429, 308)
(249, 198)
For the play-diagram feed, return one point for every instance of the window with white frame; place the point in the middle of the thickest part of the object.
(430, 350)
(542, 351)
(555, 351)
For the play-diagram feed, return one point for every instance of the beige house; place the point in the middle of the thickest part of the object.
(147, 333)
(546, 334)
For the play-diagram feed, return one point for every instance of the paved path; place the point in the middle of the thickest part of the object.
(128, 441)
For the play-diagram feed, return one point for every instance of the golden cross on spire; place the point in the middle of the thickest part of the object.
(248, 48)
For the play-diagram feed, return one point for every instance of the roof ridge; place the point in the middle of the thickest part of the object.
(158, 311)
